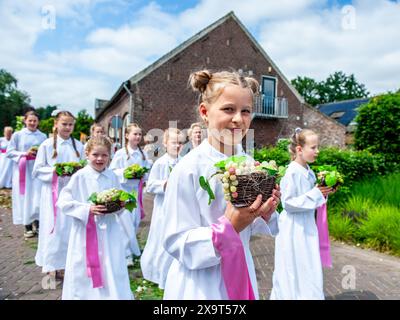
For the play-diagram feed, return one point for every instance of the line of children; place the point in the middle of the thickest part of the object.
(155, 261)
(25, 189)
(298, 269)
(108, 242)
(55, 227)
(5, 163)
(131, 154)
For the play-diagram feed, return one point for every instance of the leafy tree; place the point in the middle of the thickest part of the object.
(45, 113)
(13, 102)
(378, 126)
(337, 87)
(82, 124)
(308, 88)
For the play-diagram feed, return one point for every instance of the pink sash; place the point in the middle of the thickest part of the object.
(92, 254)
(22, 172)
(140, 196)
(3, 150)
(233, 260)
(323, 234)
(54, 196)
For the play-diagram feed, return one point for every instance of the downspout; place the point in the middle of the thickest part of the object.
(131, 105)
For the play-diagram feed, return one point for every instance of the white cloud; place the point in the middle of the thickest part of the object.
(303, 37)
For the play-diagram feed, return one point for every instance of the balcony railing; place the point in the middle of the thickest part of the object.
(268, 107)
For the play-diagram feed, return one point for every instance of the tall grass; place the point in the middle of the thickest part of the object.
(370, 214)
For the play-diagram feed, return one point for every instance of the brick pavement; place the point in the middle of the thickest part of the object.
(377, 274)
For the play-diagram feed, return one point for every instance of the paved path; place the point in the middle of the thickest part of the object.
(377, 276)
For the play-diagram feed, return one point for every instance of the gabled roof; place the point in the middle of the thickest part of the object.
(201, 34)
(342, 111)
(170, 55)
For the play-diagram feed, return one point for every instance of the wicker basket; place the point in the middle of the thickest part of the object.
(250, 186)
(112, 206)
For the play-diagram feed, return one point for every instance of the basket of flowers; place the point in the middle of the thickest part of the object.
(243, 179)
(135, 171)
(64, 169)
(328, 176)
(114, 199)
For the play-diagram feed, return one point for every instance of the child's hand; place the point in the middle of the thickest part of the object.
(98, 209)
(240, 218)
(325, 190)
(31, 153)
(273, 201)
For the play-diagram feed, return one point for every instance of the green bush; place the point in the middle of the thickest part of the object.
(378, 126)
(341, 228)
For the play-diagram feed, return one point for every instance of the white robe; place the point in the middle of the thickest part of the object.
(6, 166)
(111, 242)
(298, 269)
(129, 220)
(25, 207)
(52, 247)
(155, 261)
(195, 272)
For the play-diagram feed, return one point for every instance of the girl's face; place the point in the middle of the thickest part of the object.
(309, 152)
(196, 135)
(98, 157)
(229, 117)
(65, 126)
(98, 132)
(134, 137)
(174, 145)
(31, 122)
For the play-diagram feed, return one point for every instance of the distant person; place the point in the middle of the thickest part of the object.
(5, 163)
(195, 134)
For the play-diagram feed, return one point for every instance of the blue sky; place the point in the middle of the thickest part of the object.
(98, 44)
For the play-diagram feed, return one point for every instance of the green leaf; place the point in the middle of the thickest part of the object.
(130, 205)
(204, 184)
(93, 198)
(59, 171)
(124, 196)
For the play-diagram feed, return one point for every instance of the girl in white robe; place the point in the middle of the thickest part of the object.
(73, 202)
(6, 165)
(54, 227)
(24, 200)
(226, 101)
(298, 269)
(155, 261)
(123, 158)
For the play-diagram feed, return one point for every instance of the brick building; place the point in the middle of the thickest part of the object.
(160, 94)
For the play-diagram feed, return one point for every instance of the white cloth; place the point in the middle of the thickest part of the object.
(129, 220)
(25, 207)
(52, 247)
(155, 261)
(111, 242)
(298, 269)
(6, 166)
(195, 272)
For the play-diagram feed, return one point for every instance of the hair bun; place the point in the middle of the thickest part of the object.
(199, 80)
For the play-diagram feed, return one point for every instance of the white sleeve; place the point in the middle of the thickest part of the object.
(260, 226)
(41, 169)
(185, 238)
(155, 184)
(308, 201)
(117, 166)
(68, 204)
(12, 152)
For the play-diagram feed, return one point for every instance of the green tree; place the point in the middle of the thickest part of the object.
(337, 87)
(13, 102)
(378, 126)
(308, 88)
(45, 113)
(82, 124)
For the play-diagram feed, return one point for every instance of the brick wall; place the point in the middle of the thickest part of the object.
(163, 95)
